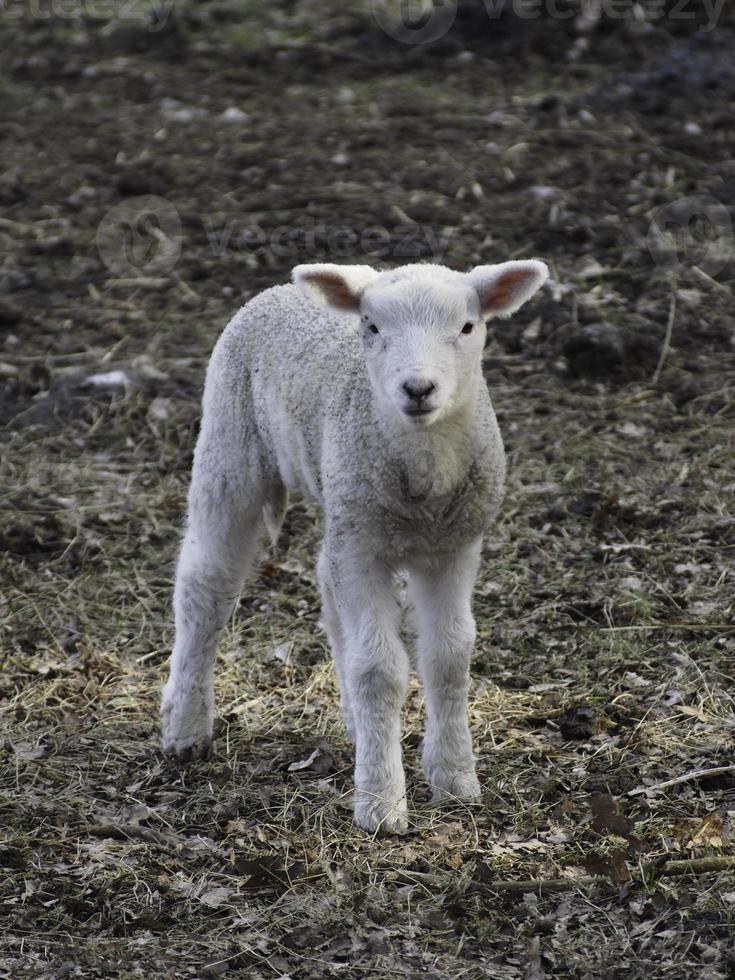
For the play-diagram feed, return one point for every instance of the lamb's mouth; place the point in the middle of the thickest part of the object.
(420, 418)
(419, 412)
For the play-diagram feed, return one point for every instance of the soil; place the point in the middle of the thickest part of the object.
(161, 165)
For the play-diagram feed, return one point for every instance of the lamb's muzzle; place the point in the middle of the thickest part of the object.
(418, 391)
(325, 397)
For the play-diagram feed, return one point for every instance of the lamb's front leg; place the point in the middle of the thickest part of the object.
(441, 592)
(376, 671)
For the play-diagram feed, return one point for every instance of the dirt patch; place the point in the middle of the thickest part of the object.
(153, 180)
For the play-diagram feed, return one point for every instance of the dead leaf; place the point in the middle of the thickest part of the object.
(711, 832)
(25, 750)
(612, 865)
(303, 763)
(135, 813)
(283, 652)
(320, 761)
(446, 834)
(218, 896)
(268, 871)
(607, 818)
(577, 722)
(686, 709)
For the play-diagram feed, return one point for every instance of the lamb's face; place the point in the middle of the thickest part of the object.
(423, 344)
(423, 327)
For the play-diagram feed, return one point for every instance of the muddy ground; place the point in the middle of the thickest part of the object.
(157, 170)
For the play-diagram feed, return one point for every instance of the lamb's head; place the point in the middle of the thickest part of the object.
(423, 326)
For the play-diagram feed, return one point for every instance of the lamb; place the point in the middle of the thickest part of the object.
(362, 389)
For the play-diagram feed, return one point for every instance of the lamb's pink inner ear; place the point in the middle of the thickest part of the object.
(335, 289)
(505, 291)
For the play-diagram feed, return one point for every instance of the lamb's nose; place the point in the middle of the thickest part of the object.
(416, 389)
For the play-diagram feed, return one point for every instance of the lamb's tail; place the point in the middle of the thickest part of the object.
(274, 510)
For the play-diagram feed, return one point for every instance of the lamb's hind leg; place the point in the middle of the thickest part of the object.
(440, 594)
(336, 637)
(221, 541)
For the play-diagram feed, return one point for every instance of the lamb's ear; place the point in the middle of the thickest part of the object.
(338, 286)
(504, 288)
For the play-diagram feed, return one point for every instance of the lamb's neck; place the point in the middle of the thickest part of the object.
(433, 461)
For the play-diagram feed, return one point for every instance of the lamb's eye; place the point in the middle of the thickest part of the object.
(372, 328)
(467, 328)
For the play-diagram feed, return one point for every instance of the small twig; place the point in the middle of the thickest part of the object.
(130, 832)
(692, 866)
(639, 396)
(538, 884)
(712, 282)
(692, 627)
(667, 338)
(83, 355)
(654, 869)
(415, 877)
(329, 50)
(139, 282)
(669, 869)
(8, 224)
(685, 778)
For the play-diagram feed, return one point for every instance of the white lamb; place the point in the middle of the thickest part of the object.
(363, 390)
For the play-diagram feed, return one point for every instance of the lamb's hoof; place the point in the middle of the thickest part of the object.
(378, 815)
(448, 785)
(186, 728)
(185, 751)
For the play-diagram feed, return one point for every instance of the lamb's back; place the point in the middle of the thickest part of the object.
(291, 364)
